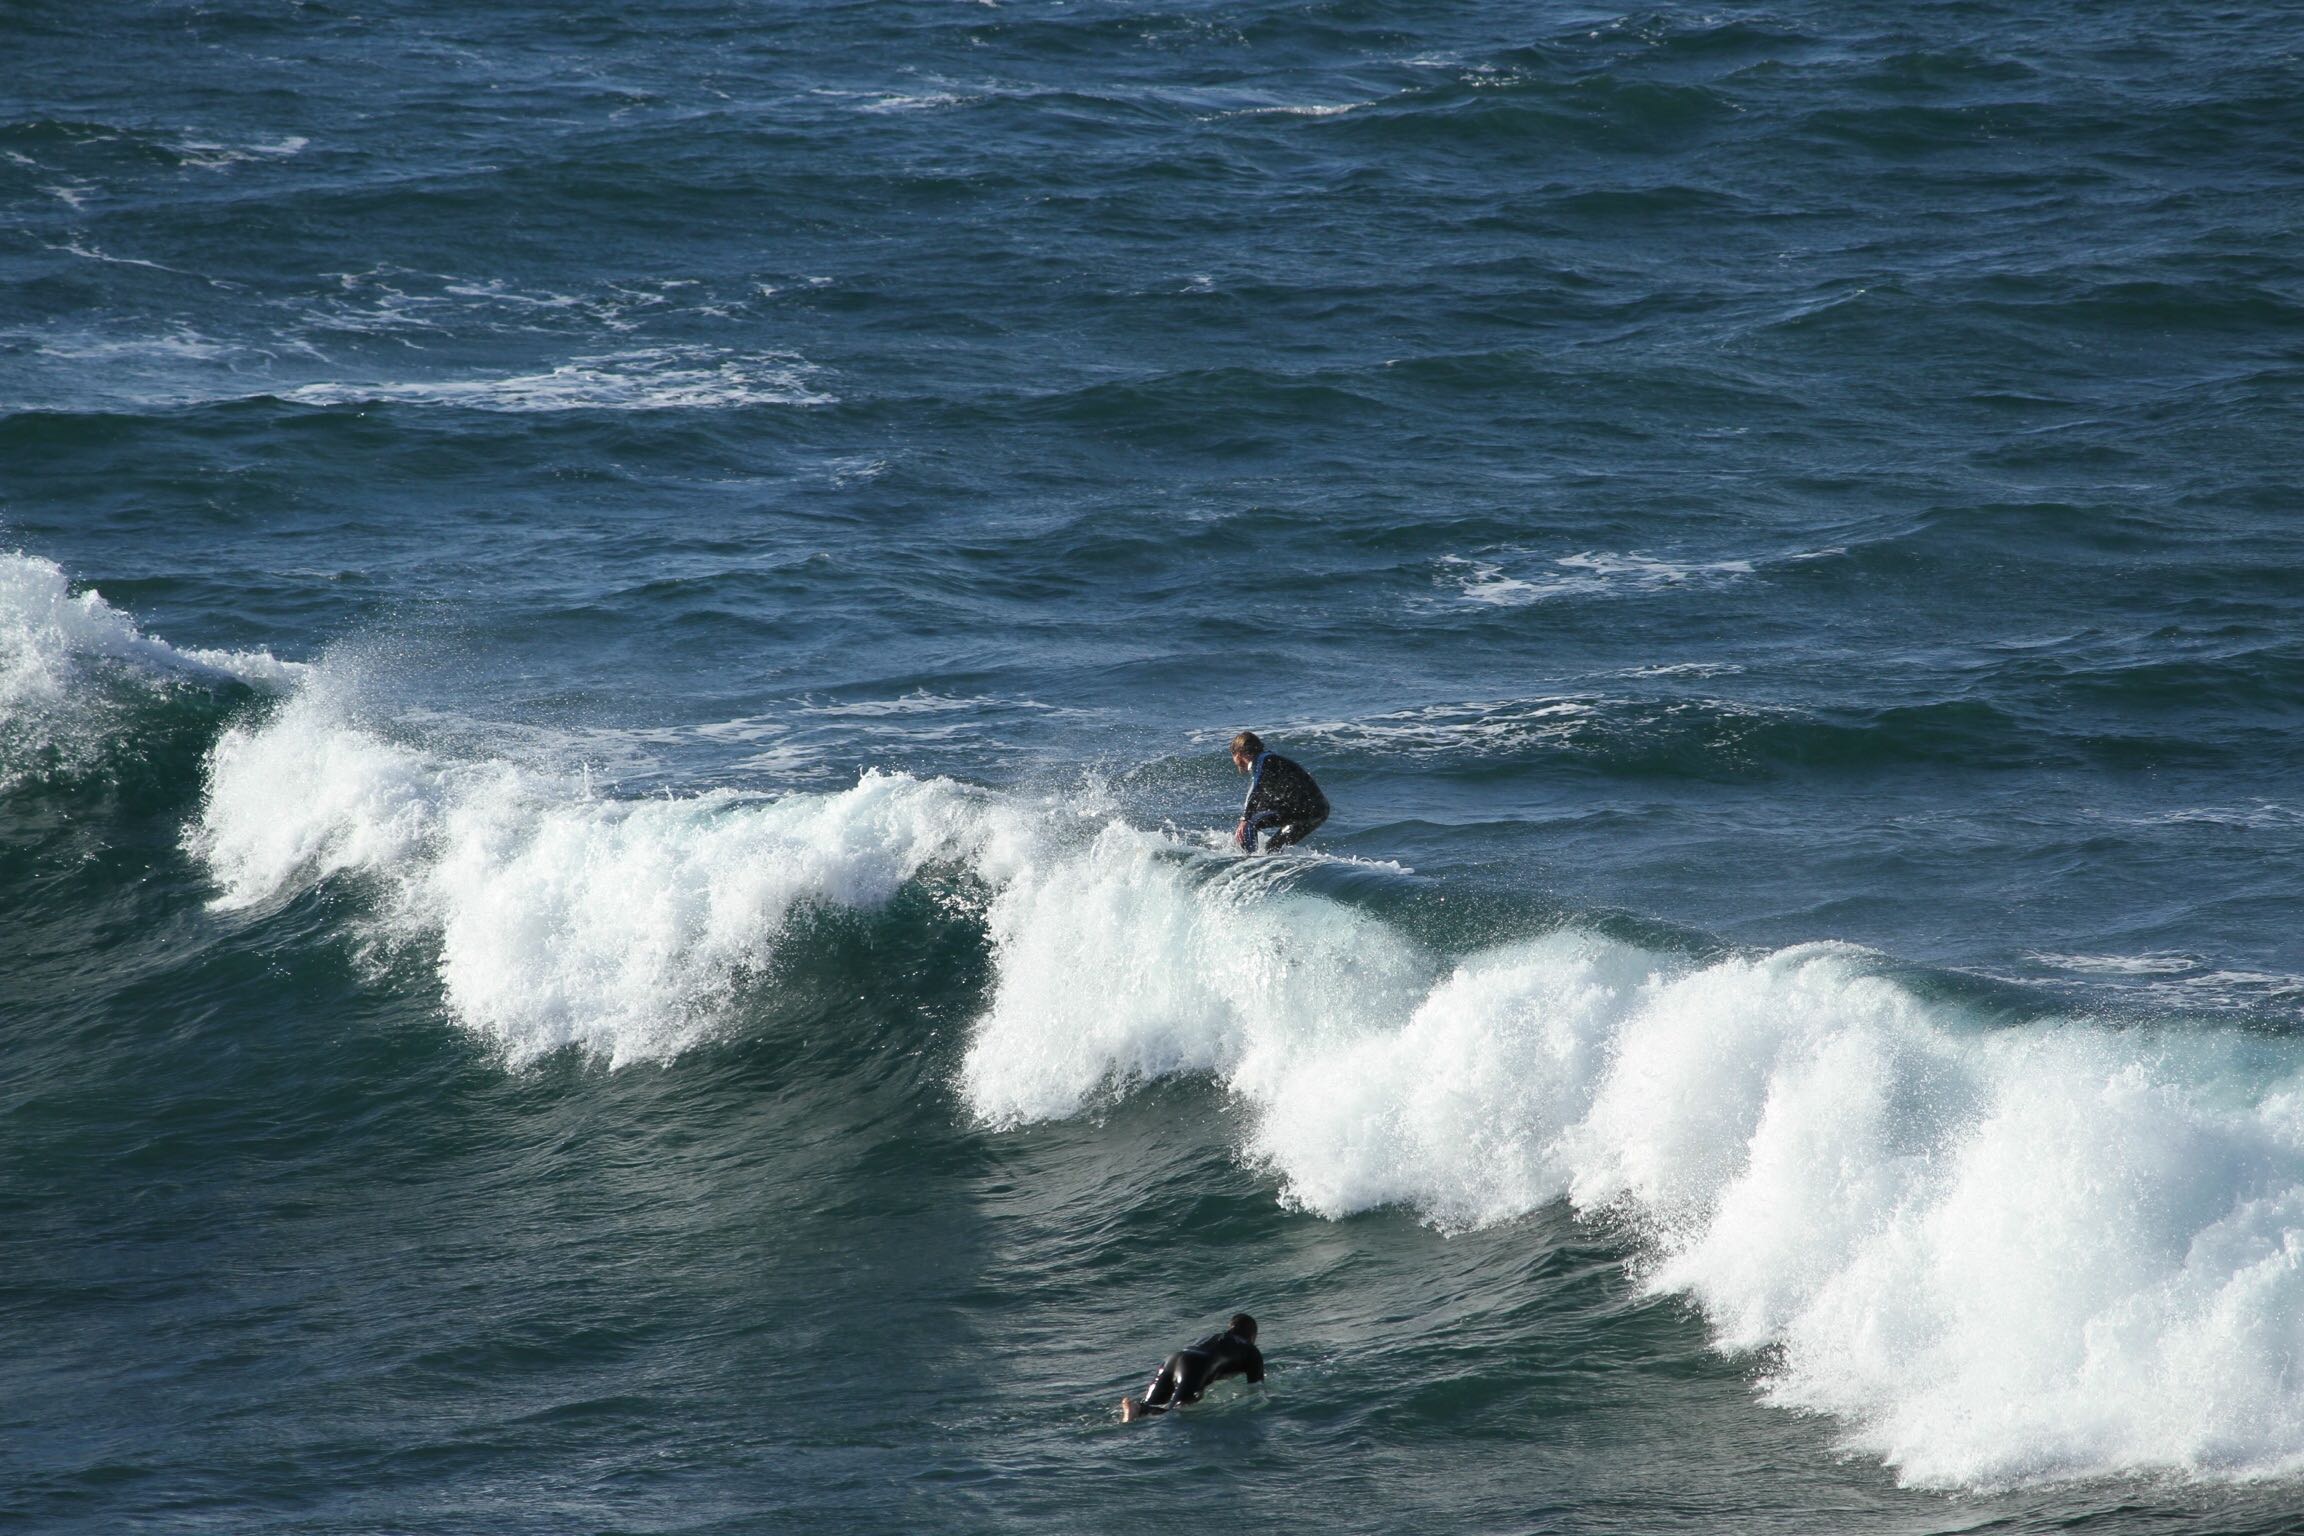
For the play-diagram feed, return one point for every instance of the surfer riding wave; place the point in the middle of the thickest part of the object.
(1284, 805)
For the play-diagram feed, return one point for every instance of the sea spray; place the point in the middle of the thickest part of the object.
(49, 635)
(73, 669)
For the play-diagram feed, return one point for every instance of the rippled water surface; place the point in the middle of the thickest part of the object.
(617, 629)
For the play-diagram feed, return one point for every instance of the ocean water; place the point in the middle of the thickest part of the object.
(617, 629)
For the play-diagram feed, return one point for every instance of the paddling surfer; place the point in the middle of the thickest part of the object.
(1283, 806)
(1189, 1372)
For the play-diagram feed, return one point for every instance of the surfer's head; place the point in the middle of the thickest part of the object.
(1246, 748)
(1245, 1326)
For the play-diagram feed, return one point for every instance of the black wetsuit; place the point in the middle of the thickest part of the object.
(1283, 800)
(1189, 1372)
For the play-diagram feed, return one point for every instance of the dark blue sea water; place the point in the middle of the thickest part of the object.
(617, 629)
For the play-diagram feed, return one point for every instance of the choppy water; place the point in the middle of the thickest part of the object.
(616, 632)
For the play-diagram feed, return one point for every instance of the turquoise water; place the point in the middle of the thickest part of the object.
(617, 629)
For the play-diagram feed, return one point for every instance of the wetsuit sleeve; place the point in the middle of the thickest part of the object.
(1255, 783)
(1253, 1366)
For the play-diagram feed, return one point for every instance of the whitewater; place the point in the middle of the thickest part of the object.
(617, 636)
(1994, 1250)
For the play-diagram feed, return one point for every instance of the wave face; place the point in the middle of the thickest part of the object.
(1994, 1253)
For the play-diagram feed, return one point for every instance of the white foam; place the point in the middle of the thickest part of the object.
(926, 101)
(1308, 109)
(1589, 574)
(560, 917)
(1187, 977)
(202, 155)
(1996, 1256)
(645, 379)
(93, 253)
(180, 345)
(48, 635)
(899, 101)
(2262, 816)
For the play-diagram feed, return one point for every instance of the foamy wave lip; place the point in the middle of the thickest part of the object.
(563, 918)
(1995, 1257)
(47, 634)
(1192, 978)
(1590, 574)
(646, 379)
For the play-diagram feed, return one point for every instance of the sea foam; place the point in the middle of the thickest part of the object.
(560, 917)
(1995, 1255)
(645, 379)
(1992, 1253)
(71, 662)
(48, 635)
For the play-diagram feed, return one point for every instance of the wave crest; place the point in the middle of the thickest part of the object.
(561, 917)
(1996, 1255)
(70, 661)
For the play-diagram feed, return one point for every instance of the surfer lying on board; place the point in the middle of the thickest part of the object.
(1189, 1372)
(1282, 799)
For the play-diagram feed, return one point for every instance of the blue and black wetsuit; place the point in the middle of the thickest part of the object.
(1282, 801)
(1189, 1372)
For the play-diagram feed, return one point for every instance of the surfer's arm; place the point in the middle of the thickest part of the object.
(1255, 782)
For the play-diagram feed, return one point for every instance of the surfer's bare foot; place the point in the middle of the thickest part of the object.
(1127, 1410)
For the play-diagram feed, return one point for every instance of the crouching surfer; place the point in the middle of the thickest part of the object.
(1189, 1372)
(1283, 806)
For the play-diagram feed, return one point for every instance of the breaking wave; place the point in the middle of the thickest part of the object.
(1995, 1252)
(561, 917)
(71, 663)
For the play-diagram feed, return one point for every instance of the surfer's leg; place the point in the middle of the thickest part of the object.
(1189, 1372)
(1162, 1392)
(1293, 832)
